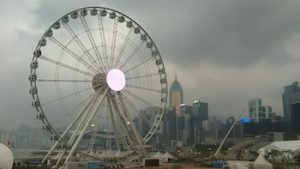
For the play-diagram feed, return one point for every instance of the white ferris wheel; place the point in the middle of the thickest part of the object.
(93, 73)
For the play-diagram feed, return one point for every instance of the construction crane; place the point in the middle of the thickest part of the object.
(229, 131)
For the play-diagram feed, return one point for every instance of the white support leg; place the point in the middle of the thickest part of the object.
(113, 120)
(123, 120)
(94, 110)
(68, 129)
(79, 123)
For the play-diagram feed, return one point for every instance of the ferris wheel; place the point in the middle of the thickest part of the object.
(94, 73)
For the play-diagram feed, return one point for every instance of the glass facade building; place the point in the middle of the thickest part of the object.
(290, 96)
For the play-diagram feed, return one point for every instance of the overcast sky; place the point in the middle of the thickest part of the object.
(225, 52)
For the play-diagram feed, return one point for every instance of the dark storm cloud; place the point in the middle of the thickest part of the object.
(233, 33)
(225, 51)
(48, 11)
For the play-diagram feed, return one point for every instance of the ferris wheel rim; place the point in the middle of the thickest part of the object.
(33, 84)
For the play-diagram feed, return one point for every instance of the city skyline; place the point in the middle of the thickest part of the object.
(225, 53)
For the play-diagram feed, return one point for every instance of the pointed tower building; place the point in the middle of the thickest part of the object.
(176, 96)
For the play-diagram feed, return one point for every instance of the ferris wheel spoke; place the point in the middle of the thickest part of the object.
(103, 40)
(129, 120)
(60, 80)
(75, 56)
(62, 98)
(84, 100)
(92, 40)
(66, 96)
(132, 54)
(133, 105)
(136, 66)
(138, 98)
(129, 137)
(113, 43)
(82, 47)
(144, 88)
(67, 66)
(143, 76)
(125, 43)
(136, 110)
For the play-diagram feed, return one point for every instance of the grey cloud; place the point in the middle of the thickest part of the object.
(15, 99)
(231, 32)
(238, 33)
(232, 37)
(48, 11)
(225, 34)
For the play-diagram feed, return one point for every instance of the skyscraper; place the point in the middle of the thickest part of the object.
(296, 115)
(200, 110)
(199, 115)
(170, 126)
(176, 96)
(290, 96)
(184, 124)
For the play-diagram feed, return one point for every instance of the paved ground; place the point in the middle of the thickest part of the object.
(179, 166)
(193, 167)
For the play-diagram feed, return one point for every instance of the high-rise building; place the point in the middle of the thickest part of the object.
(212, 131)
(290, 96)
(200, 110)
(176, 96)
(260, 113)
(184, 125)
(198, 116)
(170, 126)
(296, 115)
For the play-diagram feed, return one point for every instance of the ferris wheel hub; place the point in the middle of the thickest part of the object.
(115, 79)
(98, 81)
